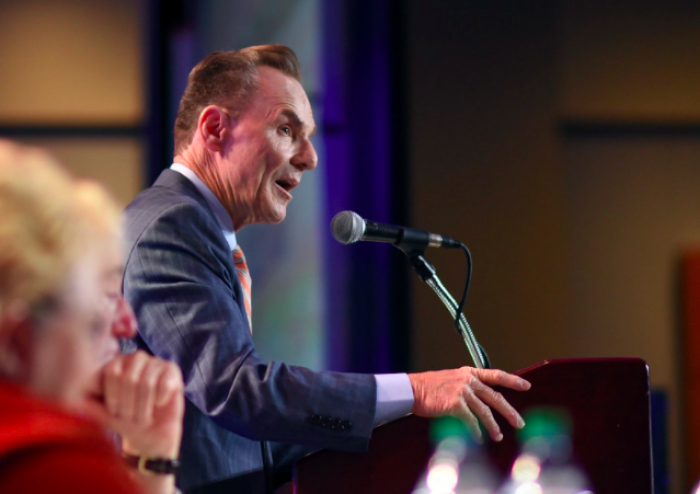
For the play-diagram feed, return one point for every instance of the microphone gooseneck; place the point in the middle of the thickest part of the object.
(349, 227)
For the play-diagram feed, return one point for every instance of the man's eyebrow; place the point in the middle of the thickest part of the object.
(296, 120)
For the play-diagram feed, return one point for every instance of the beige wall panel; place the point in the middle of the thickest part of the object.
(115, 162)
(632, 203)
(633, 61)
(632, 206)
(70, 62)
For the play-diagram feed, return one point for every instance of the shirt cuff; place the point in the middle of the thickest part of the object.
(394, 397)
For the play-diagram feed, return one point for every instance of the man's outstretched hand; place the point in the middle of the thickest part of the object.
(466, 393)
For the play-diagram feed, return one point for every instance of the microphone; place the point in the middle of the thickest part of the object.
(349, 227)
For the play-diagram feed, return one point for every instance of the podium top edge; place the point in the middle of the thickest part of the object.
(631, 361)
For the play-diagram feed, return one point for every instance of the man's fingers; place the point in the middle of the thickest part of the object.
(462, 392)
(495, 400)
(495, 377)
(466, 414)
(484, 414)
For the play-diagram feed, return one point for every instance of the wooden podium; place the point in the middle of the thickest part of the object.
(607, 399)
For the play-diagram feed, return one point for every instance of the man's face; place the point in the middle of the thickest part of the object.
(267, 150)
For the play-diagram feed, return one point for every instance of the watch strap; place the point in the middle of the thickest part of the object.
(144, 464)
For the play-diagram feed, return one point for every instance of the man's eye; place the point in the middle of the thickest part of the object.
(286, 130)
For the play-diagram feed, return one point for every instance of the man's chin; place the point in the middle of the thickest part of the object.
(276, 216)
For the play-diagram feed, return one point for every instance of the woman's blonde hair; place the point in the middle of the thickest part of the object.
(99, 214)
(46, 221)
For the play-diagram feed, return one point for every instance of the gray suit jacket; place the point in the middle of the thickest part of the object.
(180, 281)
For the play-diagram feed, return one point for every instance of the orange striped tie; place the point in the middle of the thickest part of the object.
(246, 282)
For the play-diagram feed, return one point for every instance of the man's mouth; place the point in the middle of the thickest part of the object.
(287, 184)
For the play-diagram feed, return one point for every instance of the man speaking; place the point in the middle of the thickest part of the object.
(241, 147)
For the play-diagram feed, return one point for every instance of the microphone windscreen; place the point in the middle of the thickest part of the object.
(347, 227)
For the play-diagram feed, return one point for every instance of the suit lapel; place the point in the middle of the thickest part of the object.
(177, 182)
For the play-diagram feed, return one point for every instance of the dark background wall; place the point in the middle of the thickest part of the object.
(484, 169)
(561, 142)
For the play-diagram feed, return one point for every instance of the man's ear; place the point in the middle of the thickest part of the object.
(212, 126)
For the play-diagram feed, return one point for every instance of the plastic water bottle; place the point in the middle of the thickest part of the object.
(458, 465)
(545, 464)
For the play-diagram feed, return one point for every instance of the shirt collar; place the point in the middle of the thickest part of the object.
(222, 216)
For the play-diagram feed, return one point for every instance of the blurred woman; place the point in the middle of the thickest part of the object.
(61, 314)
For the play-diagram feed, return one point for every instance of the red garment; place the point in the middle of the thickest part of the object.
(45, 449)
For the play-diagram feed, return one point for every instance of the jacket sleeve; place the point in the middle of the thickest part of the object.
(180, 280)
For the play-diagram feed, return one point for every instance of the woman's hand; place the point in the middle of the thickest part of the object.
(141, 399)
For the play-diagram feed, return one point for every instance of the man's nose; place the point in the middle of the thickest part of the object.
(124, 323)
(306, 158)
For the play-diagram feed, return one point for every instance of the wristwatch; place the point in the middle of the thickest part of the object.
(144, 464)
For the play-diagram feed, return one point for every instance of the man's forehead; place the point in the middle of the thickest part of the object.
(282, 94)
